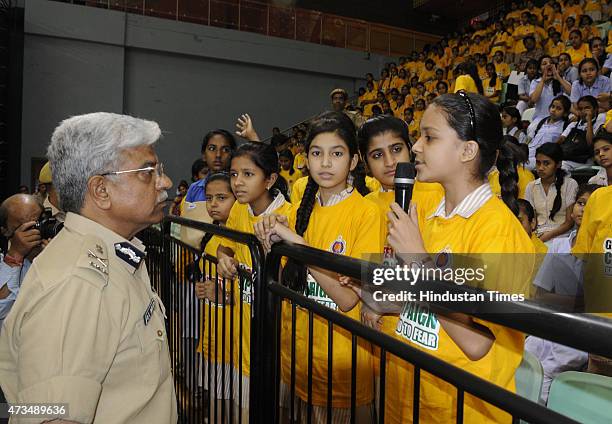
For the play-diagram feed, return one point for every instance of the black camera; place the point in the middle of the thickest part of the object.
(48, 225)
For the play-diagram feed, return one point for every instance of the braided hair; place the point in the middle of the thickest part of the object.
(554, 151)
(294, 273)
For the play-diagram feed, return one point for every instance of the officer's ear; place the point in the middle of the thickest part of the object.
(98, 193)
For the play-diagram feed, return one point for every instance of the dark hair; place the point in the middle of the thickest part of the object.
(586, 188)
(217, 176)
(604, 135)
(565, 102)
(576, 31)
(602, 58)
(525, 207)
(535, 64)
(487, 132)
(294, 274)
(196, 167)
(223, 133)
(592, 101)
(430, 61)
(443, 83)
(493, 81)
(288, 155)
(568, 56)
(556, 85)
(264, 156)
(520, 155)
(584, 62)
(554, 151)
(182, 183)
(380, 125)
(468, 68)
(514, 113)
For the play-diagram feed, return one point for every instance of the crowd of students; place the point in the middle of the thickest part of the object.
(486, 183)
(466, 200)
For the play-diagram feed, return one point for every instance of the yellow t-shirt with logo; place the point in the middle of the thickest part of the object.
(489, 91)
(241, 220)
(491, 229)
(594, 246)
(354, 235)
(525, 176)
(553, 49)
(502, 69)
(214, 315)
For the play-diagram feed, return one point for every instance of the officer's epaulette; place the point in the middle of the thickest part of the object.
(92, 263)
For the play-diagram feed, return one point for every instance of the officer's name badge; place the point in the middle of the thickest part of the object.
(149, 312)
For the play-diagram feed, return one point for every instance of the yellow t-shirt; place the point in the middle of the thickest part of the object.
(538, 245)
(427, 75)
(299, 162)
(397, 82)
(594, 246)
(367, 109)
(522, 30)
(525, 176)
(414, 130)
(300, 185)
(354, 235)
(241, 220)
(465, 82)
(383, 85)
(608, 117)
(291, 179)
(482, 72)
(556, 20)
(478, 48)
(578, 54)
(214, 315)
(491, 229)
(553, 49)
(502, 69)
(502, 37)
(431, 86)
(489, 91)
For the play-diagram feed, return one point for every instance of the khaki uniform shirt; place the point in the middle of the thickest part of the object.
(88, 331)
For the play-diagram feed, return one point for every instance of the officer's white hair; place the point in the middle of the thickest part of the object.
(91, 144)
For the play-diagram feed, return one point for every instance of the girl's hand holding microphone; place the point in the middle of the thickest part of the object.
(404, 235)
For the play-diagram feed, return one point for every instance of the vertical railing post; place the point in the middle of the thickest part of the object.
(345, 35)
(295, 24)
(321, 31)
(239, 13)
(268, 19)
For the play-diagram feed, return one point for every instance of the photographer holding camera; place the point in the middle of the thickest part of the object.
(51, 201)
(87, 330)
(18, 216)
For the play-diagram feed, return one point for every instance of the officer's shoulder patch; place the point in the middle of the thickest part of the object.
(92, 261)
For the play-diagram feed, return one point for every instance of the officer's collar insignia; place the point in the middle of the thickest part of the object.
(129, 254)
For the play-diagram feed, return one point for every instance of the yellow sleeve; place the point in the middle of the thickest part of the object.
(232, 224)
(588, 229)
(182, 206)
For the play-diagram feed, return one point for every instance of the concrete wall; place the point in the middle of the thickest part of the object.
(188, 77)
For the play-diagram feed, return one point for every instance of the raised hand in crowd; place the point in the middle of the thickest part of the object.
(245, 129)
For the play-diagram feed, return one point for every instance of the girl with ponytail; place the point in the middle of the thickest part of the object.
(461, 140)
(333, 216)
(552, 194)
(259, 192)
(519, 153)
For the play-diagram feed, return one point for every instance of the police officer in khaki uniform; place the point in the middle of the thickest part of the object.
(51, 201)
(339, 98)
(87, 330)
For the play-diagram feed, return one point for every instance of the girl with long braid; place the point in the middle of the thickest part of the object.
(461, 137)
(553, 194)
(332, 216)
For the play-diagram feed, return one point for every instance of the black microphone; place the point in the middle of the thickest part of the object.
(404, 182)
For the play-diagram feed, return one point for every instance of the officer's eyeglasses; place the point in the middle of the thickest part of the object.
(158, 169)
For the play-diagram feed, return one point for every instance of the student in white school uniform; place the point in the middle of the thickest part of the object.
(577, 139)
(602, 146)
(552, 194)
(545, 88)
(548, 129)
(590, 83)
(511, 122)
(559, 280)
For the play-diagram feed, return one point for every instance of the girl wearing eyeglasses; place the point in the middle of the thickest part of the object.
(461, 137)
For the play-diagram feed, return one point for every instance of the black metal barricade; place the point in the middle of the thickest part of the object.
(589, 333)
(206, 336)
